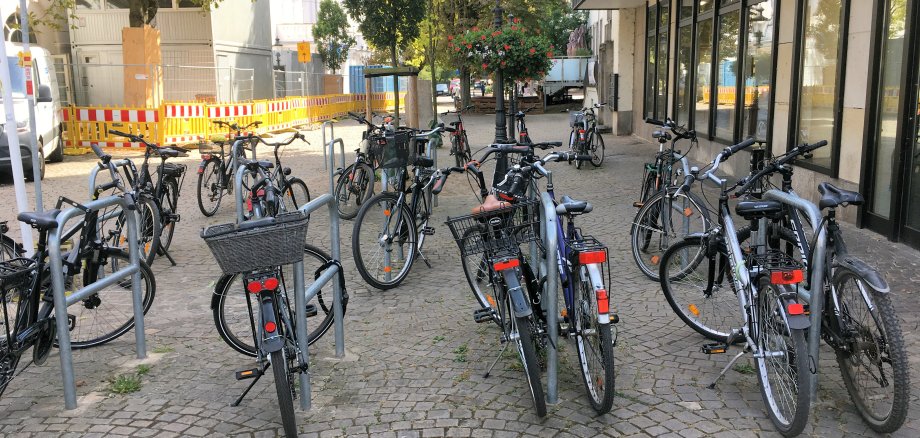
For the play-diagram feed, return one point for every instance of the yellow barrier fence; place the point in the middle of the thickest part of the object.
(191, 122)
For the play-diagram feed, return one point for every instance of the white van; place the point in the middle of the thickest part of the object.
(47, 110)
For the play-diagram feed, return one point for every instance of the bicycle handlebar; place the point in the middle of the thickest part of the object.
(778, 163)
(710, 174)
(106, 163)
(279, 144)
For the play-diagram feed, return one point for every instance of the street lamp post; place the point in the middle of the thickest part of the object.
(498, 89)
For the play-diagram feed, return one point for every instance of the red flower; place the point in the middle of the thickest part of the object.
(482, 37)
(475, 29)
(507, 47)
(503, 63)
(456, 49)
(532, 50)
(549, 54)
(514, 28)
(484, 65)
(496, 33)
(450, 38)
(517, 19)
(469, 46)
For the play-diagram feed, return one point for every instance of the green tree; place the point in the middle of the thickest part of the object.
(331, 34)
(388, 24)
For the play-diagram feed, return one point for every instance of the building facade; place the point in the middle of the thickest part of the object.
(784, 72)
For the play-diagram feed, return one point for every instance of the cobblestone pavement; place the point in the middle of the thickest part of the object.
(415, 357)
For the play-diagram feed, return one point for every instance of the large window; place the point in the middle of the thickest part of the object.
(683, 75)
(758, 69)
(727, 44)
(656, 66)
(819, 75)
(703, 44)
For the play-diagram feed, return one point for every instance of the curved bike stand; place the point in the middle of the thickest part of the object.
(551, 270)
(331, 163)
(133, 270)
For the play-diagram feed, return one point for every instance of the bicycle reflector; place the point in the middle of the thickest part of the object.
(581, 134)
(254, 287)
(270, 327)
(507, 264)
(795, 309)
(787, 277)
(603, 302)
(590, 257)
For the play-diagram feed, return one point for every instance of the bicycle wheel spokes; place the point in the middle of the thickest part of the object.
(781, 363)
(701, 296)
(595, 349)
(661, 222)
(296, 195)
(384, 241)
(209, 189)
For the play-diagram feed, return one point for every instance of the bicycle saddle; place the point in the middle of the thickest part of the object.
(43, 221)
(255, 164)
(756, 209)
(831, 196)
(454, 123)
(573, 206)
(168, 152)
(489, 204)
(423, 161)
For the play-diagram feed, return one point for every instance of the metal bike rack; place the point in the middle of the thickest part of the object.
(331, 163)
(62, 301)
(551, 269)
(815, 295)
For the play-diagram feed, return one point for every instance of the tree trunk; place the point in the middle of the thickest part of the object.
(464, 86)
(141, 12)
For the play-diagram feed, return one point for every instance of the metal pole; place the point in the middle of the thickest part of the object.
(12, 138)
(338, 312)
(300, 315)
(134, 257)
(63, 328)
(498, 89)
(550, 239)
(434, 87)
(30, 99)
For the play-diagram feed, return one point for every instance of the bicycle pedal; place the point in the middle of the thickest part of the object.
(248, 374)
(428, 231)
(71, 322)
(311, 310)
(174, 217)
(638, 204)
(484, 315)
(714, 348)
(614, 318)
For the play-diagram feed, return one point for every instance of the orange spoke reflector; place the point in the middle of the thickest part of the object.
(694, 310)
(603, 302)
(590, 257)
(795, 309)
(507, 264)
(491, 300)
(655, 260)
(386, 212)
(787, 277)
(688, 212)
(387, 269)
(565, 312)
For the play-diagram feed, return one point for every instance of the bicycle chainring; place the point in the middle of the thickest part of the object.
(45, 341)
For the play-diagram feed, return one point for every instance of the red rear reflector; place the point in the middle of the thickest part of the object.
(589, 257)
(254, 287)
(787, 277)
(508, 264)
(603, 302)
(270, 283)
(205, 157)
(795, 309)
(270, 327)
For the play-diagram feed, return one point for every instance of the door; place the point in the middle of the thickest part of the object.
(911, 225)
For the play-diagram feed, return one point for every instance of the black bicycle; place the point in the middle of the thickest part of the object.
(26, 293)
(217, 167)
(355, 184)
(459, 142)
(584, 138)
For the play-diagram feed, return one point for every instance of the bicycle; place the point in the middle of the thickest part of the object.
(523, 135)
(390, 230)
(459, 142)
(293, 191)
(356, 182)
(25, 287)
(162, 192)
(765, 282)
(216, 170)
(665, 215)
(584, 138)
(857, 318)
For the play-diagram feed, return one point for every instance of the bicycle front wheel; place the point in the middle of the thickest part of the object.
(295, 195)
(231, 304)
(874, 366)
(662, 221)
(284, 386)
(108, 314)
(595, 345)
(782, 362)
(384, 241)
(170, 203)
(354, 187)
(210, 187)
(477, 270)
(524, 328)
(596, 149)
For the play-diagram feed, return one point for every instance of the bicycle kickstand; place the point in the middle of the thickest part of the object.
(424, 259)
(258, 375)
(494, 362)
(734, 334)
(165, 253)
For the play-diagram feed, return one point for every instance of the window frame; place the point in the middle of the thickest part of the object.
(720, 11)
(745, 22)
(683, 22)
(651, 90)
(796, 91)
(103, 6)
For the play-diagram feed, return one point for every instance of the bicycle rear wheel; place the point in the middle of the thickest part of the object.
(149, 228)
(170, 203)
(874, 366)
(16, 313)
(282, 364)
(230, 304)
(210, 187)
(597, 149)
(295, 195)
(108, 314)
(662, 221)
(782, 362)
(594, 342)
(478, 275)
(384, 241)
(354, 187)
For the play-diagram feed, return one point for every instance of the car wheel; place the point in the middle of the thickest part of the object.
(57, 155)
(30, 175)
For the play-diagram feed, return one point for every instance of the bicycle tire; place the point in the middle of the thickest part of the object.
(284, 387)
(296, 194)
(579, 150)
(789, 416)
(354, 187)
(882, 333)
(209, 185)
(597, 159)
(231, 317)
(479, 277)
(118, 300)
(649, 187)
(599, 383)
(380, 244)
(149, 228)
(423, 216)
(528, 352)
(171, 203)
(9, 360)
(648, 223)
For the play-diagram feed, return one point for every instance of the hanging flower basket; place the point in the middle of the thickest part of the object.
(520, 54)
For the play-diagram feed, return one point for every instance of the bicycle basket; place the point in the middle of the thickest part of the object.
(251, 247)
(449, 118)
(396, 153)
(576, 118)
(206, 147)
(497, 231)
(16, 273)
(174, 169)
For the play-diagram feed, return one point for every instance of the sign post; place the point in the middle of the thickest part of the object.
(37, 156)
(12, 138)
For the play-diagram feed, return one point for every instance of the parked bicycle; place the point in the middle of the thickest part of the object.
(217, 167)
(355, 184)
(25, 287)
(665, 216)
(291, 192)
(523, 134)
(459, 142)
(584, 138)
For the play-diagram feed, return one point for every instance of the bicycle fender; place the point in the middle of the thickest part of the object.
(519, 302)
(875, 280)
(271, 341)
(695, 237)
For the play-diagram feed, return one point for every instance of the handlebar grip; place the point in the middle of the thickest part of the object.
(120, 134)
(654, 122)
(686, 185)
(439, 184)
(731, 150)
(547, 144)
(102, 155)
(582, 158)
(811, 147)
(107, 186)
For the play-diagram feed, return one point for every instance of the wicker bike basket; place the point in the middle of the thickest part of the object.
(497, 231)
(576, 118)
(266, 243)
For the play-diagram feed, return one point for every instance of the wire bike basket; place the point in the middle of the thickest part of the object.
(576, 118)
(497, 231)
(397, 153)
(258, 244)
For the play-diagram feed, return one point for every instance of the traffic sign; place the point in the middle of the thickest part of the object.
(303, 52)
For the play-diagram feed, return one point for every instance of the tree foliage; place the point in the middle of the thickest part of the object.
(388, 24)
(331, 34)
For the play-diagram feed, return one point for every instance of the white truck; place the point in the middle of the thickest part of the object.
(565, 73)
